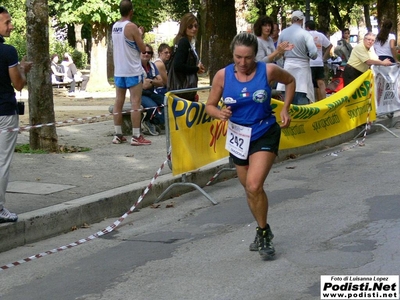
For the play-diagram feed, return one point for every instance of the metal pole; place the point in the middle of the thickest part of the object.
(307, 10)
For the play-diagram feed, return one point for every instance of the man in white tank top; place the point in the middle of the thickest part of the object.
(128, 72)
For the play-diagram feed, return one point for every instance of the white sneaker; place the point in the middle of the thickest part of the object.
(118, 139)
(7, 216)
(71, 94)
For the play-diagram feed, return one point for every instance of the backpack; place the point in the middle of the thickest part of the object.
(343, 50)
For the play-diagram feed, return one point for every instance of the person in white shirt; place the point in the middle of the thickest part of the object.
(385, 43)
(324, 47)
(297, 60)
(267, 52)
(128, 72)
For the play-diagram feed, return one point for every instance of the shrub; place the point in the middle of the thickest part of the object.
(80, 59)
(19, 42)
(61, 47)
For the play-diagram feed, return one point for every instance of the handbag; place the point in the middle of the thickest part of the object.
(179, 81)
(21, 108)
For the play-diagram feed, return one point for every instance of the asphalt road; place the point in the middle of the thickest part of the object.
(336, 214)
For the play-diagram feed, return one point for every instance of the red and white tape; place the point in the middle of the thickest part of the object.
(367, 127)
(75, 120)
(106, 230)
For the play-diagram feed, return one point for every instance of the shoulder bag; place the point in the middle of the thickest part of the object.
(179, 81)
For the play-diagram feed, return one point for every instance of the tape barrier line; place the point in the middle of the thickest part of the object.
(212, 179)
(367, 127)
(100, 233)
(356, 144)
(335, 153)
(75, 120)
(368, 123)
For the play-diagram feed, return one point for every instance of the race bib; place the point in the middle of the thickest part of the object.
(238, 140)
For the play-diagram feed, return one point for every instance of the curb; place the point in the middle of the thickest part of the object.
(54, 220)
(61, 218)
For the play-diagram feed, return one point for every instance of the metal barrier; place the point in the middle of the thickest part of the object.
(386, 90)
(184, 181)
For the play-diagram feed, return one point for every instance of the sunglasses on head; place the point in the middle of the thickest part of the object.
(148, 52)
(193, 25)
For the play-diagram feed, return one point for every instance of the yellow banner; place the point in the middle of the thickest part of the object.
(337, 114)
(198, 140)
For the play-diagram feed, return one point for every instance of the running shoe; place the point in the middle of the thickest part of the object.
(150, 127)
(138, 141)
(254, 245)
(7, 216)
(118, 139)
(265, 246)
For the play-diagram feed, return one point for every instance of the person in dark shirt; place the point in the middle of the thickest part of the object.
(12, 76)
(57, 76)
(186, 61)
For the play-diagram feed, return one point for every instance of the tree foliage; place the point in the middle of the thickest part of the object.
(17, 10)
(100, 15)
(330, 15)
(146, 13)
(175, 9)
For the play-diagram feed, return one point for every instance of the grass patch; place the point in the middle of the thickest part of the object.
(25, 148)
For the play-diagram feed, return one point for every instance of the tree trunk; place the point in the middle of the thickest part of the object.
(204, 43)
(284, 19)
(341, 21)
(367, 17)
(98, 60)
(110, 59)
(323, 9)
(276, 10)
(220, 30)
(41, 107)
(388, 10)
(71, 37)
(262, 7)
(79, 44)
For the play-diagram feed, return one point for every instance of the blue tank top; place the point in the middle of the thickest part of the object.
(250, 101)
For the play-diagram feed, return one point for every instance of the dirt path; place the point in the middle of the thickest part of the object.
(69, 108)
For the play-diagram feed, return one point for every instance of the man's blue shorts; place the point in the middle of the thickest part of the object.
(127, 82)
